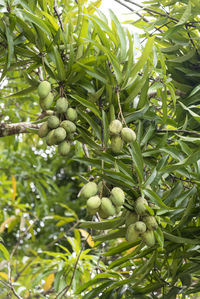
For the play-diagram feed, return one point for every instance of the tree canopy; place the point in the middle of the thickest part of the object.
(53, 242)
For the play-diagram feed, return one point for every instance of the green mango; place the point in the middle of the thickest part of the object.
(53, 122)
(93, 202)
(116, 144)
(128, 135)
(64, 148)
(45, 103)
(61, 105)
(50, 138)
(131, 234)
(69, 126)
(71, 114)
(89, 190)
(149, 238)
(107, 206)
(117, 196)
(43, 130)
(131, 218)
(140, 227)
(44, 89)
(150, 222)
(115, 127)
(140, 206)
(59, 134)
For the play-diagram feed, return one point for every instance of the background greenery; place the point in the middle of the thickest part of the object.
(151, 82)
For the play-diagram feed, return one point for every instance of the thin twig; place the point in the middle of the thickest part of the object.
(120, 108)
(55, 7)
(64, 291)
(179, 131)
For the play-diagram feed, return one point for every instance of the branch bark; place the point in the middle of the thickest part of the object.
(16, 128)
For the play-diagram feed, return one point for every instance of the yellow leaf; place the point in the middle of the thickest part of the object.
(7, 221)
(14, 187)
(5, 276)
(87, 236)
(48, 282)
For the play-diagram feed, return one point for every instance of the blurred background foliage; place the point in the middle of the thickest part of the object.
(151, 81)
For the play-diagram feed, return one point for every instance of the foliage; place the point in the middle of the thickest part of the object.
(151, 85)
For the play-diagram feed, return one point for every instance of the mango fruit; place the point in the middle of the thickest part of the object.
(43, 130)
(71, 114)
(61, 105)
(140, 206)
(115, 127)
(59, 134)
(131, 234)
(89, 190)
(44, 89)
(50, 138)
(150, 222)
(64, 148)
(53, 122)
(93, 202)
(128, 135)
(140, 227)
(107, 206)
(149, 238)
(116, 144)
(45, 103)
(117, 196)
(69, 126)
(131, 218)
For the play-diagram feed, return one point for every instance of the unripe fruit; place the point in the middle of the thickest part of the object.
(107, 206)
(43, 89)
(117, 196)
(45, 103)
(116, 144)
(61, 105)
(64, 148)
(131, 234)
(149, 238)
(53, 122)
(89, 190)
(100, 187)
(118, 209)
(71, 114)
(59, 134)
(92, 211)
(69, 126)
(150, 222)
(131, 218)
(43, 130)
(140, 206)
(128, 135)
(93, 202)
(115, 127)
(102, 214)
(140, 227)
(50, 138)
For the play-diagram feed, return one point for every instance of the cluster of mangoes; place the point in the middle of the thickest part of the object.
(105, 206)
(140, 224)
(119, 135)
(59, 127)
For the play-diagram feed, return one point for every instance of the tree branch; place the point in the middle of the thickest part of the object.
(179, 131)
(16, 128)
(55, 7)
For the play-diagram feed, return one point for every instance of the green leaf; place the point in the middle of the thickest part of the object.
(186, 15)
(35, 20)
(10, 46)
(4, 251)
(87, 104)
(59, 65)
(141, 62)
